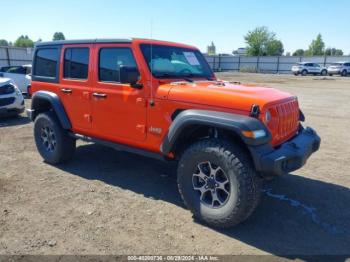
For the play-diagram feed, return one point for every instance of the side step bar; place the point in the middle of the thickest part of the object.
(119, 147)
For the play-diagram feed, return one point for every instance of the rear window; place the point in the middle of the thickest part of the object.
(46, 62)
(15, 70)
(76, 63)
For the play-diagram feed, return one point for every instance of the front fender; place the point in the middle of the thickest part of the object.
(232, 122)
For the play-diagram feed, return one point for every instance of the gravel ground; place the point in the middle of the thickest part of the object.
(107, 202)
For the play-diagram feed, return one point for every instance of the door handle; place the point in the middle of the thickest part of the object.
(99, 95)
(66, 90)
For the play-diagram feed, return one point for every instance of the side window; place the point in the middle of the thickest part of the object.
(16, 70)
(111, 60)
(76, 63)
(46, 62)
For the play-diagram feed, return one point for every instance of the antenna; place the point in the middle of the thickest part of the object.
(151, 94)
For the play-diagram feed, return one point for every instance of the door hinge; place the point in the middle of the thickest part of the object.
(141, 128)
(88, 118)
(141, 101)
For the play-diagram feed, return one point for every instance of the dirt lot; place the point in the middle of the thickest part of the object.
(107, 202)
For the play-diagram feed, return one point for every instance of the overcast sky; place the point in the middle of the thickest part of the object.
(194, 22)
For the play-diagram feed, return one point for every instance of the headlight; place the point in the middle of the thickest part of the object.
(18, 92)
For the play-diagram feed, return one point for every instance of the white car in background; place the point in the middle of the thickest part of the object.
(340, 68)
(21, 76)
(11, 99)
(307, 68)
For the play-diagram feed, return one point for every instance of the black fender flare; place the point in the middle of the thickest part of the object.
(41, 97)
(231, 122)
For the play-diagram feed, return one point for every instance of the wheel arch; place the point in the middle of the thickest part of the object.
(45, 101)
(191, 125)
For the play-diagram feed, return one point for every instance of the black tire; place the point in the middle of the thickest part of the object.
(61, 148)
(304, 72)
(344, 73)
(330, 74)
(323, 72)
(296, 74)
(244, 183)
(29, 92)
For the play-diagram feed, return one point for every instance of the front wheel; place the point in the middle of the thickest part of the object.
(323, 72)
(344, 73)
(218, 183)
(52, 141)
(304, 73)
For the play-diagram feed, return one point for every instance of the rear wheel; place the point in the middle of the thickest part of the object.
(304, 73)
(52, 141)
(330, 74)
(323, 72)
(218, 183)
(29, 91)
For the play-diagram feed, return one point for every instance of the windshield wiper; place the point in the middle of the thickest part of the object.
(174, 76)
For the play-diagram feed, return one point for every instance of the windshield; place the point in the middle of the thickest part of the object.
(175, 62)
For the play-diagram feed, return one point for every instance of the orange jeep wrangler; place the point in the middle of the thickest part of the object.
(162, 100)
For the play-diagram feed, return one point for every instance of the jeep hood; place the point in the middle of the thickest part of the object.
(224, 94)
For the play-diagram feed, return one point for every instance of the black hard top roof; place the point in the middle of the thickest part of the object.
(84, 41)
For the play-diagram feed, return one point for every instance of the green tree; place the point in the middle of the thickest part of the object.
(317, 47)
(58, 36)
(262, 42)
(274, 48)
(334, 51)
(24, 41)
(4, 42)
(299, 52)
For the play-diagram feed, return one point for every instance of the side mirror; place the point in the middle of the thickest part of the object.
(130, 75)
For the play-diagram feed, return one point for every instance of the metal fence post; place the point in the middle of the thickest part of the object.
(239, 63)
(257, 64)
(8, 56)
(278, 64)
(219, 67)
(214, 63)
(325, 60)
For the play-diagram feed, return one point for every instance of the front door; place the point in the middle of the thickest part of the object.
(75, 85)
(119, 110)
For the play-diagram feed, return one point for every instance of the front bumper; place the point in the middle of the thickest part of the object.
(15, 108)
(10, 111)
(334, 71)
(289, 156)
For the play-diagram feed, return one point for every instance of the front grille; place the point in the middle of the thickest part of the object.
(7, 101)
(288, 120)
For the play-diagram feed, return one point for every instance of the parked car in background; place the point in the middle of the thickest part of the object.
(11, 99)
(21, 75)
(306, 68)
(340, 68)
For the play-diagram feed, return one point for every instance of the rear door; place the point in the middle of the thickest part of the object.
(119, 110)
(75, 85)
